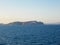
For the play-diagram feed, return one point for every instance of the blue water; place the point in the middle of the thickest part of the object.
(30, 35)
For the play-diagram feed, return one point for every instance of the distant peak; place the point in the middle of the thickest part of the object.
(25, 23)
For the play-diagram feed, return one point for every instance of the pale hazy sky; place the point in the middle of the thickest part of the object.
(47, 11)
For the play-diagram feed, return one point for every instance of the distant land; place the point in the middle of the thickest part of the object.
(24, 23)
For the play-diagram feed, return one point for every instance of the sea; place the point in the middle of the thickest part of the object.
(48, 34)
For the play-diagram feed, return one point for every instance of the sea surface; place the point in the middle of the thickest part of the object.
(30, 35)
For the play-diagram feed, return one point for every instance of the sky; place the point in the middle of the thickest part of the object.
(47, 11)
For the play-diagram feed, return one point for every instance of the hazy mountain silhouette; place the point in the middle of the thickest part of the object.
(26, 23)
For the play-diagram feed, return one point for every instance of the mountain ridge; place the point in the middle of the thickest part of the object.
(26, 23)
